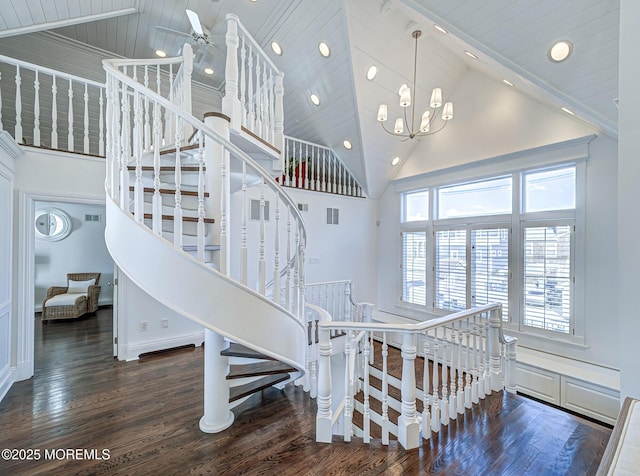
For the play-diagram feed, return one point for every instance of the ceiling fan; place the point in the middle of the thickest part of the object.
(199, 34)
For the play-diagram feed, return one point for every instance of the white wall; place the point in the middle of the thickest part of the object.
(491, 119)
(333, 252)
(84, 250)
(6, 261)
(137, 307)
(628, 198)
(528, 125)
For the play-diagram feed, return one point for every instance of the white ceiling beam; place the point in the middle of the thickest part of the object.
(67, 22)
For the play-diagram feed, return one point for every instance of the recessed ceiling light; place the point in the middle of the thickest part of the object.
(254, 1)
(440, 29)
(315, 99)
(560, 51)
(568, 111)
(507, 82)
(347, 144)
(469, 53)
(395, 161)
(277, 49)
(371, 72)
(161, 53)
(324, 49)
(209, 70)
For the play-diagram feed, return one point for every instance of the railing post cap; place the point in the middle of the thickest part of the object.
(232, 16)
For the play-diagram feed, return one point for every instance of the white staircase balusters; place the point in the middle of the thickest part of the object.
(138, 198)
(70, 136)
(243, 237)
(385, 390)
(86, 119)
(366, 416)
(36, 111)
(18, 128)
(156, 209)
(467, 367)
(200, 233)
(278, 112)
(442, 346)
(101, 150)
(147, 124)
(475, 365)
(262, 276)
(426, 415)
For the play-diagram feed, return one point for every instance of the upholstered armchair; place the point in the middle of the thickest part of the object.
(79, 297)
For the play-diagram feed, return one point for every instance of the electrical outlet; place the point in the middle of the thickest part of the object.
(165, 323)
(144, 325)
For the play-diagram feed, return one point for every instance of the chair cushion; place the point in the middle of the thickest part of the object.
(80, 286)
(67, 299)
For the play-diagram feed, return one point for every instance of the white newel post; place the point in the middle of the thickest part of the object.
(324, 417)
(217, 416)
(494, 349)
(231, 105)
(509, 378)
(408, 426)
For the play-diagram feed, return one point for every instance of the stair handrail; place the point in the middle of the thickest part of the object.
(112, 64)
(476, 334)
(72, 132)
(324, 170)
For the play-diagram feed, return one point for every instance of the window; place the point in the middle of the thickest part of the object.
(333, 216)
(415, 206)
(548, 277)
(490, 268)
(451, 270)
(485, 250)
(489, 197)
(254, 210)
(553, 189)
(414, 267)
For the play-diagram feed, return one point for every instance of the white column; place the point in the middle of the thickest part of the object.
(217, 415)
(230, 102)
(408, 426)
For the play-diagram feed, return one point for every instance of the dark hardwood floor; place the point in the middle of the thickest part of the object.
(145, 414)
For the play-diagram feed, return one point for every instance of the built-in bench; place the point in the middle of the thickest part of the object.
(622, 455)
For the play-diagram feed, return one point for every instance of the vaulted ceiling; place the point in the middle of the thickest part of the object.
(509, 39)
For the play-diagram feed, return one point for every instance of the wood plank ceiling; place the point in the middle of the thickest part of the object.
(511, 39)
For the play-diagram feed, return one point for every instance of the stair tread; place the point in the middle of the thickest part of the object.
(271, 367)
(170, 191)
(236, 393)
(375, 430)
(182, 149)
(167, 168)
(149, 216)
(239, 350)
(376, 406)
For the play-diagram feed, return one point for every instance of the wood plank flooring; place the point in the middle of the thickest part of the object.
(146, 415)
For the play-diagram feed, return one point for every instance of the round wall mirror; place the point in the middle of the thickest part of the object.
(52, 224)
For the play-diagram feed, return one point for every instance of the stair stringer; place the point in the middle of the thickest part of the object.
(201, 293)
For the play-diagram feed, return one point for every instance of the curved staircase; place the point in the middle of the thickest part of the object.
(178, 226)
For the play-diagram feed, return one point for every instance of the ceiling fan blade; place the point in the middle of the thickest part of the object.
(195, 22)
(174, 32)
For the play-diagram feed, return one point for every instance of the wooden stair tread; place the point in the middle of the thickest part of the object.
(375, 405)
(272, 367)
(149, 216)
(182, 148)
(167, 168)
(239, 350)
(375, 430)
(392, 391)
(170, 191)
(236, 393)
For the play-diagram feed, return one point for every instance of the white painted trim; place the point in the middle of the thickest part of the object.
(7, 377)
(572, 150)
(9, 145)
(25, 285)
(132, 352)
(67, 22)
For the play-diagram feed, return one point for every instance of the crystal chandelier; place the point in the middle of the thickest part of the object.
(436, 107)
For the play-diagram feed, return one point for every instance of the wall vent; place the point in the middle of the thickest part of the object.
(303, 207)
(333, 216)
(255, 210)
(93, 217)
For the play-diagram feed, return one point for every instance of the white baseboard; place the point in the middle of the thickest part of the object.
(7, 377)
(132, 352)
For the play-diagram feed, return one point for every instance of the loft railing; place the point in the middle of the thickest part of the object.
(466, 357)
(48, 108)
(253, 86)
(312, 166)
